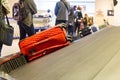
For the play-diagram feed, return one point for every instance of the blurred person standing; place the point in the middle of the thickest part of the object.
(78, 17)
(26, 26)
(86, 18)
(70, 28)
(62, 11)
(4, 10)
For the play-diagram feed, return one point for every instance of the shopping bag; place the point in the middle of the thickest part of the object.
(6, 33)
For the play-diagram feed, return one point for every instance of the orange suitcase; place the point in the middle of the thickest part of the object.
(43, 42)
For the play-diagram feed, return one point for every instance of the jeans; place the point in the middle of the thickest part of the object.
(77, 27)
(0, 48)
(25, 30)
(70, 30)
(60, 21)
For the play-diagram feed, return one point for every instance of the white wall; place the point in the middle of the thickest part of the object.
(117, 14)
(89, 6)
(101, 8)
(46, 4)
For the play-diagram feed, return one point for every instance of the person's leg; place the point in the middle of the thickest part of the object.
(75, 29)
(70, 30)
(60, 21)
(30, 30)
(57, 22)
(22, 30)
(1, 48)
(78, 30)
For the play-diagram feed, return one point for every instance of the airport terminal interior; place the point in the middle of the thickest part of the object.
(92, 57)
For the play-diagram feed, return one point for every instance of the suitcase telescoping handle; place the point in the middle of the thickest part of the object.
(33, 51)
(43, 41)
(38, 43)
(45, 51)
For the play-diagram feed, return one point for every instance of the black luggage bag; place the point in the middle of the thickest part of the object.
(84, 32)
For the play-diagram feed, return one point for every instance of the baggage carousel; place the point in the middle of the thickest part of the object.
(94, 57)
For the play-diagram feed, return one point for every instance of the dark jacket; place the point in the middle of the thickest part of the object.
(4, 10)
(61, 11)
(30, 9)
(71, 15)
(78, 15)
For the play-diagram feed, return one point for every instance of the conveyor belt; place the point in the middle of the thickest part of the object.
(94, 57)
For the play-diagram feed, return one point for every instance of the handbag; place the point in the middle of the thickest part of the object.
(6, 33)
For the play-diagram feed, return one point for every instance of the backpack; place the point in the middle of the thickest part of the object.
(19, 12)
(78, 15)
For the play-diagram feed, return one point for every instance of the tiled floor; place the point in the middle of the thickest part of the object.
(15, 48)
(10, 49)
